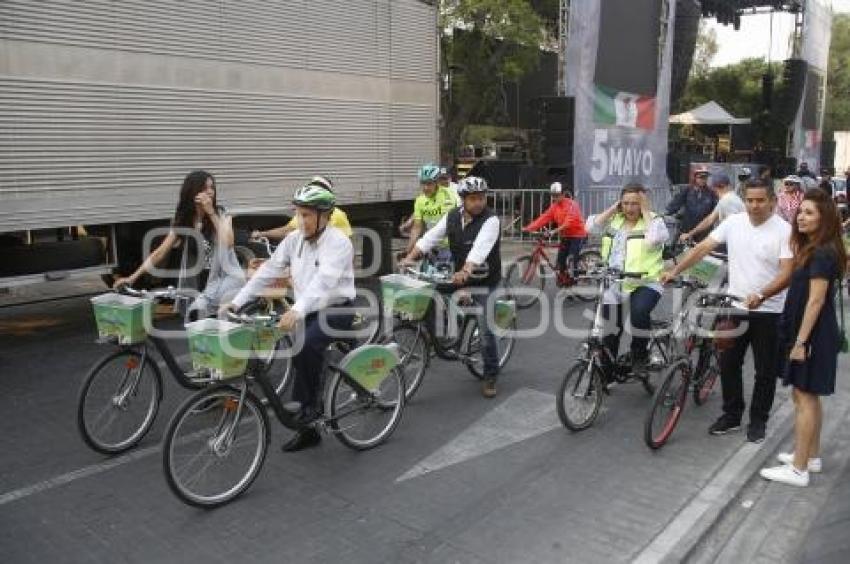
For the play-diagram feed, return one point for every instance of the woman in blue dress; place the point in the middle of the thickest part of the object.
(809, 331)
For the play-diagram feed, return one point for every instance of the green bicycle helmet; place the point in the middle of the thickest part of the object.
(429, 173)
(315, 195)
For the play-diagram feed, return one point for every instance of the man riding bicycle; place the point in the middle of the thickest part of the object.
(473, 233)
(320, 259)
(435, 201)
(632, 240)
(566, 214)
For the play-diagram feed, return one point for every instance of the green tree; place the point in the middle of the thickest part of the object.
(837, 112)
(738, 88)
(705, 50)
(486, 43)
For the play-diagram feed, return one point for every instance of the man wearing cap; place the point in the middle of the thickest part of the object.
(728, 203)
(743, 175)
(804, 170)
(694, 203)
(789, 199)
(566, 214)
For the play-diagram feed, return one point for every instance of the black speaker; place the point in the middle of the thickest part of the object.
(791, 93)
(557, 113)
(557, 118)
(557, 154)
(827, 155)
(767, 90)
(742, 137)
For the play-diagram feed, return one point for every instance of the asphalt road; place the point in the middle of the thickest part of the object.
(463, 479)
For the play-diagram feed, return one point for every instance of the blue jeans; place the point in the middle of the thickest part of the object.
(490, 350)
(641, 303)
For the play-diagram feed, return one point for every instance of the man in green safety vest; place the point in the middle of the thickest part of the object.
(632, 240)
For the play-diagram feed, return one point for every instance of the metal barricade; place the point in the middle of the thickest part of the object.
(517, 208)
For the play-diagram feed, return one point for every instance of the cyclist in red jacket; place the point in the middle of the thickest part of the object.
(566, 214)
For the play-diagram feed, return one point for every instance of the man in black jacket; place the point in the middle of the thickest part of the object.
(473, 231)
(694, 202)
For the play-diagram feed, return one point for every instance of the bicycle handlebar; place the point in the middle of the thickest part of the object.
(165, 293)
(264, 319)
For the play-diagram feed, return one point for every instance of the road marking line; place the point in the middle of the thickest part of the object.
(75, 475)
(524, 415)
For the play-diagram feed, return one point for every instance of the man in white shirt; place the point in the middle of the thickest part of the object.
(320, 260)
(760, 264)
(473, 232)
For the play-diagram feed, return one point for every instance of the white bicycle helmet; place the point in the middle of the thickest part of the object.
(471, 185)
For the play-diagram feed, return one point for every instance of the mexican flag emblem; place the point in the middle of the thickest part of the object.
(623, 109)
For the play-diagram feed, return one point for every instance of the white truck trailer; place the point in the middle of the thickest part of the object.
(105, 106)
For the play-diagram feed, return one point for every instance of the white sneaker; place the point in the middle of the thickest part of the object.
(787, 475)
(815, 464)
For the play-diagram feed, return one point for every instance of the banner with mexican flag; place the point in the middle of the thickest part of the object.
(623, 109)
(617, 66)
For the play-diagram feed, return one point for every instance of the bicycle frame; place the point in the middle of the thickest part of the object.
(287, 415)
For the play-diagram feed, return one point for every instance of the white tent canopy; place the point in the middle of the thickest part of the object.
(710, 113)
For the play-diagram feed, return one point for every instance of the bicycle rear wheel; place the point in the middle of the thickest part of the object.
(362, 421)
(527, 277)
(584, 289)
(706, 374)
(212, 450)
(667, 405)
(118, 401)
(580, 396)
(413, 355)
(475, 348)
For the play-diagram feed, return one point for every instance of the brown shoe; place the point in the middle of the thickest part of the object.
(488, 390)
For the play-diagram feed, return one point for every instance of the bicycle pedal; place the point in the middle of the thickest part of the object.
(292, 407)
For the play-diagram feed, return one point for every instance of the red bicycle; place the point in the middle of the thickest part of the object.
(531, 272)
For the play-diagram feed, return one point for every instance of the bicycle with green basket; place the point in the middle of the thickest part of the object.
(216, 441)
(119, 397)
(407, 299)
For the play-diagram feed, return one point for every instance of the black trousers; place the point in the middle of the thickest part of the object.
(309, 361)
(570, 247)
(762, 334)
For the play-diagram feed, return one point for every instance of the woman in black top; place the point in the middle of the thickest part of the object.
(809, 330)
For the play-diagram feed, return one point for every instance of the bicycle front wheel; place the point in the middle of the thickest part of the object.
(277, 365)
(526, 276)
(363, 421)
(474, 347)
(580, 396)
(413, 355)
(667, 406)
(118, 401)
(214, 446)
(706, 374)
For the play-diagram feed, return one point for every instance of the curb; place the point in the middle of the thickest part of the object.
(695, 521)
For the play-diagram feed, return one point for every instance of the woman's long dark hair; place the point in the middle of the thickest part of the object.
(828, 234)
(194, 183)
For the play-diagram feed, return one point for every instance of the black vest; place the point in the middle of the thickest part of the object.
(460, 243)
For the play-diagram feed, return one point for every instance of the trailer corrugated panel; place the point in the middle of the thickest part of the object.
(104, 106)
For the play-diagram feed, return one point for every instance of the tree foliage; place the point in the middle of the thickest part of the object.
(486, 43)
(706, 49)
(837, 113)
